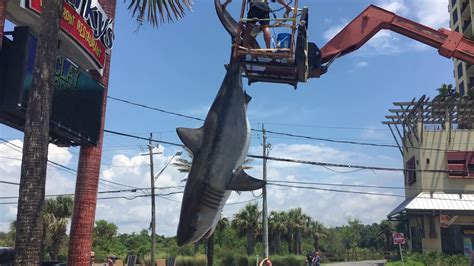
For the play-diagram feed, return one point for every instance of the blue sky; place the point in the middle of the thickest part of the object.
(179, 67)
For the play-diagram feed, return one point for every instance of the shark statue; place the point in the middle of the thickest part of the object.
(219, 148)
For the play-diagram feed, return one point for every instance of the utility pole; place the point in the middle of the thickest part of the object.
(152, 178)
(264, 193)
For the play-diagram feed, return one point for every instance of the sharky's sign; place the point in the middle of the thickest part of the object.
(86, 23)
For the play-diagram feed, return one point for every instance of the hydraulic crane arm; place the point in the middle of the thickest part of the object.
(373, 19)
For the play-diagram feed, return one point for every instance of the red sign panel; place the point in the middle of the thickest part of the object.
(78, 29)
(398, 238)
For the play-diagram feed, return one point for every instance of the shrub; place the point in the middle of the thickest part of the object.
(242, 261)
(288, 260)
(228, 260)
(199, 260)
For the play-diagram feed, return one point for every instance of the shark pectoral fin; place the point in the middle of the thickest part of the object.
(192, 138)
(248, 98)
(241, 181)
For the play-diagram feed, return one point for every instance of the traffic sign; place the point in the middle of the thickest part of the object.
(398, 238)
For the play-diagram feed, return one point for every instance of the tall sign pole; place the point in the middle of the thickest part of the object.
(87, 182)
(3, 13)
(152, 178)
(264, 193)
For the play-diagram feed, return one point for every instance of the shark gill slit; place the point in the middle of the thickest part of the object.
(212, 197)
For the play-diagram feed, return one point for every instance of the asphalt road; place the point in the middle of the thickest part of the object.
(359, 263)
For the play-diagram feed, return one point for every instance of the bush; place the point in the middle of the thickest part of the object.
(242, 261)
(228, 260)
(199, 260)
(288, 260)
(433, 258)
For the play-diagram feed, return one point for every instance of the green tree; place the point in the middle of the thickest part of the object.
(386, 228)
(277, 227)
(317, 232)
(445, 90)
(57, 213)
(157, 11)
(247, 221)
(299, 224)
(105, 239)
(351, 233)
(8, 239)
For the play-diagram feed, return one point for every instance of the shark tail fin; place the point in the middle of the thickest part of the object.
(241, 181)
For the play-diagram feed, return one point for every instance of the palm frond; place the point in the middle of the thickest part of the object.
(157, 12)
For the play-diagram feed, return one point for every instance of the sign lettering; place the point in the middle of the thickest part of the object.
(87, 24)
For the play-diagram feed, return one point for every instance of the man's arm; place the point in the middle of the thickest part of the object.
(283, 3)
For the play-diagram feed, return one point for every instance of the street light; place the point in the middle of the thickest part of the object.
(178, 153)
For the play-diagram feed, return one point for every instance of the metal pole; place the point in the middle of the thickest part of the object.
(264, 194)
(401, 253)
(152, 178)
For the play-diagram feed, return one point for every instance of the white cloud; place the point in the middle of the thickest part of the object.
(432, 13)
(133, 215)
(395, 6)
(10, 166)
(333, 30)
(361, 64)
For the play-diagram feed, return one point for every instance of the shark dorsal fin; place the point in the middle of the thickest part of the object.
(241, 181)
(191, 138)
(248, 98)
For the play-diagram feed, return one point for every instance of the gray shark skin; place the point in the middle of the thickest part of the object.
(229, 23)
(232, 26)
(219, 147)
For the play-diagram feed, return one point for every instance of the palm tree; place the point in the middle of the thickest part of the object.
(445, 90)
(29, 231)
(277, 225)
(317, 231)
(247, 221)
(299, 225)
(37, 121)
(156, 11)
(57, 213)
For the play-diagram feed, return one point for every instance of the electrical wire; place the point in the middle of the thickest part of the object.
(287, 134)
(155, 109)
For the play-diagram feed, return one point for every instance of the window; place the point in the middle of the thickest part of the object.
(453, 3)
(455, 16)
(460, 73)
(456, 29)
(461, 88)
(410, 171)
(416, 239)
(460, 164)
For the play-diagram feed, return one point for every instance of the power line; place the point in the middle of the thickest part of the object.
(114, 191)
(9, 183)
(323, 164)
(364, 167)
(372, 186)
(155, 109)
(324, 126)
(141, 138)
(56, 165)
(288, 134)
(338, 190)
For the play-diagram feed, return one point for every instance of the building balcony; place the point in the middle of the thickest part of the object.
(467, 29)
(470, 70)
(465, 10)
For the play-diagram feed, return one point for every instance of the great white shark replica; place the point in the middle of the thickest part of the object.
(219, 147)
